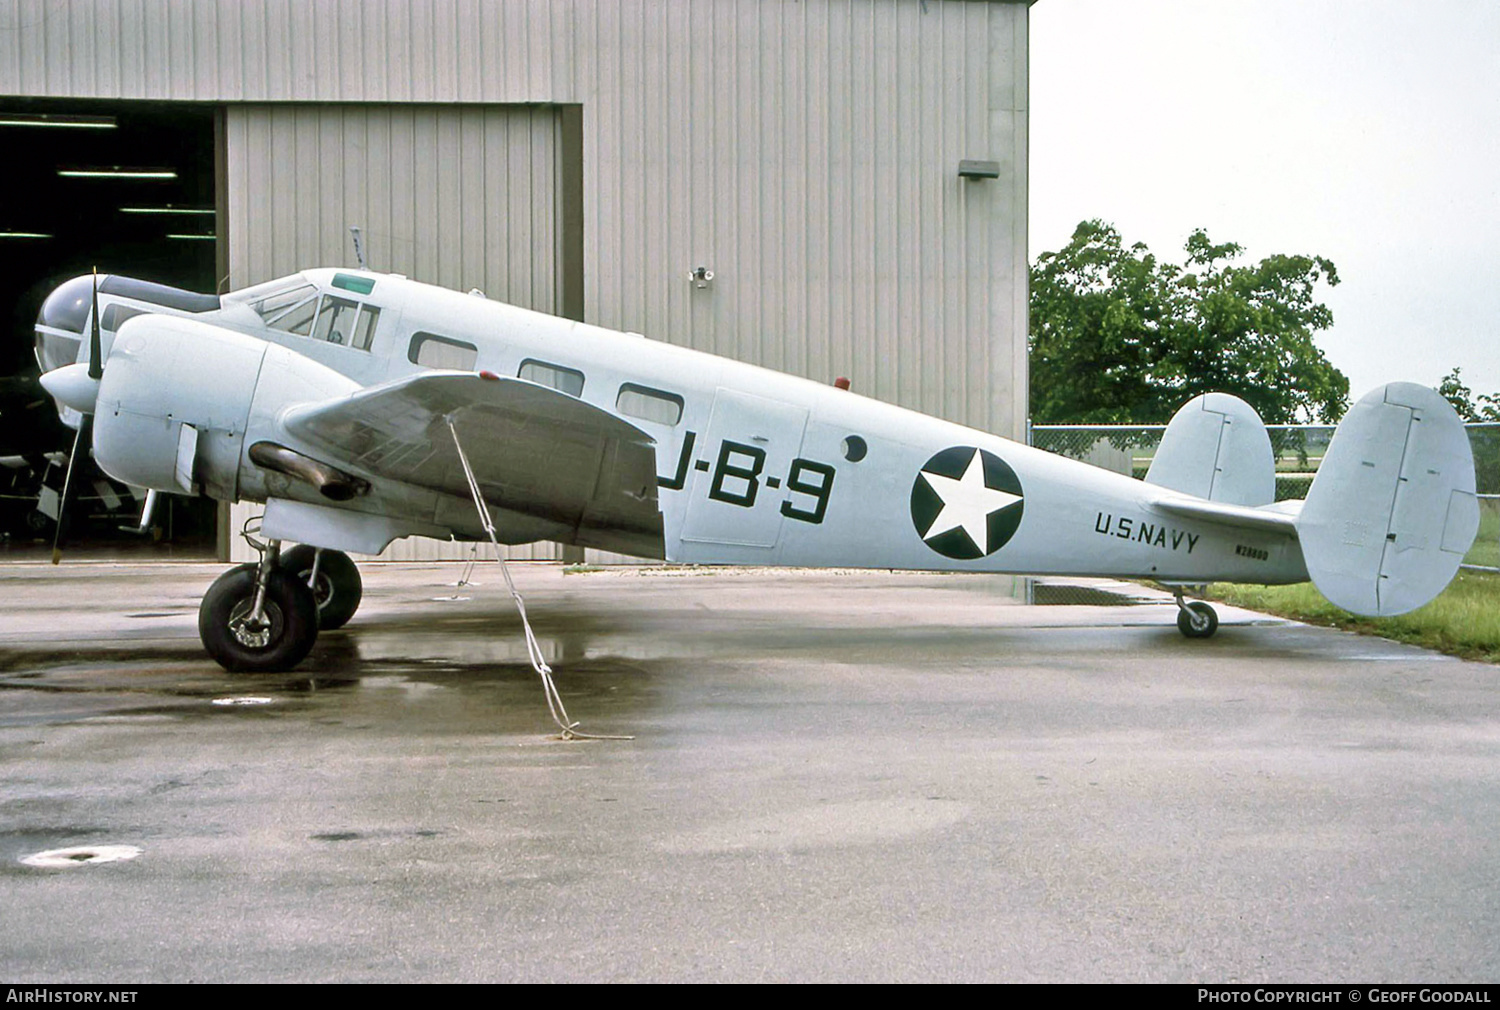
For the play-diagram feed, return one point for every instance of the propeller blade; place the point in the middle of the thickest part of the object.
(62, 504)
(96, 353)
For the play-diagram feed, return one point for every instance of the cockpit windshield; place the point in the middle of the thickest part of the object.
(277, 302)
(273, 297)
(293, 305)
(259, 291)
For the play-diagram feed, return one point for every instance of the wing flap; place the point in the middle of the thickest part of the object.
(534, 450)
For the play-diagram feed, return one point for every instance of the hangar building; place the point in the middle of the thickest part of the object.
(851, 172)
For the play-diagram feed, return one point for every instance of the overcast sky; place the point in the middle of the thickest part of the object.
(1365, 132)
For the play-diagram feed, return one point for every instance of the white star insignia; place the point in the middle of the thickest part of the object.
(967, 503)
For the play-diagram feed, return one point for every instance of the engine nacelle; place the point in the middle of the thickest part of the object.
(178, 397)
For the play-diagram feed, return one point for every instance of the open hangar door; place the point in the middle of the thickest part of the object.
(129, 188)
(462, 196)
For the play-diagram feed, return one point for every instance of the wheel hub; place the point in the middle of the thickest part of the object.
(254, 634)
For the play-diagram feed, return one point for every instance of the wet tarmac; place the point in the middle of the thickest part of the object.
(833, 776)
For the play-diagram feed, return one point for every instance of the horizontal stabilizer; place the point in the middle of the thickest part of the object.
(1216, 448)
(1392, 509)
(1266, 520)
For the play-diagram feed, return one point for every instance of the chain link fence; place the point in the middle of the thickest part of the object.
(1298, 449)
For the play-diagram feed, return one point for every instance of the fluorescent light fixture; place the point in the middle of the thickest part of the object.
(48, 119)
(116, 172)
(168, 209)
(200, 238)
(24, 234)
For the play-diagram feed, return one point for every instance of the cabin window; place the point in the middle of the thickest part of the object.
(649, 404)
(567, 380)
(433, 351)
(335, 320)
(364, 328)
(115, 315)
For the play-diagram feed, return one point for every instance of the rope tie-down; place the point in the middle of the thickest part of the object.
(560, 716)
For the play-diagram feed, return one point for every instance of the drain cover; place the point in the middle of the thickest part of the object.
(80, 854)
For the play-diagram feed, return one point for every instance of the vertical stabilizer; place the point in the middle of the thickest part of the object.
(1216, 448)
(1392, 510)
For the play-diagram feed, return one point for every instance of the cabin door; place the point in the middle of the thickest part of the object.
(739, 471)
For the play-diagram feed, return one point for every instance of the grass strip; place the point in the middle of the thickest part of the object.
(1463, 621)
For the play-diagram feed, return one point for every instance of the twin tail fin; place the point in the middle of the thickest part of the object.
(1390, 513)
(1392, 510)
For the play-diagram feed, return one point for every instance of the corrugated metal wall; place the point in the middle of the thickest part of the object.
(462, 196)
(805, 151)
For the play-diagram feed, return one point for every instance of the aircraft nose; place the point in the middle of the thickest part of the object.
(62, 323)
(67, 307)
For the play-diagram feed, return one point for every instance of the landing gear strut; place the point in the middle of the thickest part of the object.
(1196, 619)
(257, 618)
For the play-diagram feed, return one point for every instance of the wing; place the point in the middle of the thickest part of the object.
(534, 451)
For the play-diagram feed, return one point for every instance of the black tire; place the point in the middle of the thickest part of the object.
(290, 629)
(339, 587)
(1198, 621)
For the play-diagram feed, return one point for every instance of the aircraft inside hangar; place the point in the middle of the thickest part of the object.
(127, 186)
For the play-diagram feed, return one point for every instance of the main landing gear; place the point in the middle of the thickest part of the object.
(265, 617)
(334, 580)
(1195, 619)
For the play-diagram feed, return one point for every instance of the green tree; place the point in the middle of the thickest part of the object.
(1484, 441)
(1119, 336)
(1485, 408)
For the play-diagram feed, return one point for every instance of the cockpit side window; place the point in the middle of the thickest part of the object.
(364, 328)
(336, 320)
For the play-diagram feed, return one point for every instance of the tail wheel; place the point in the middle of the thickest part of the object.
(278, 641)
(338, 587)
(1197, 620)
